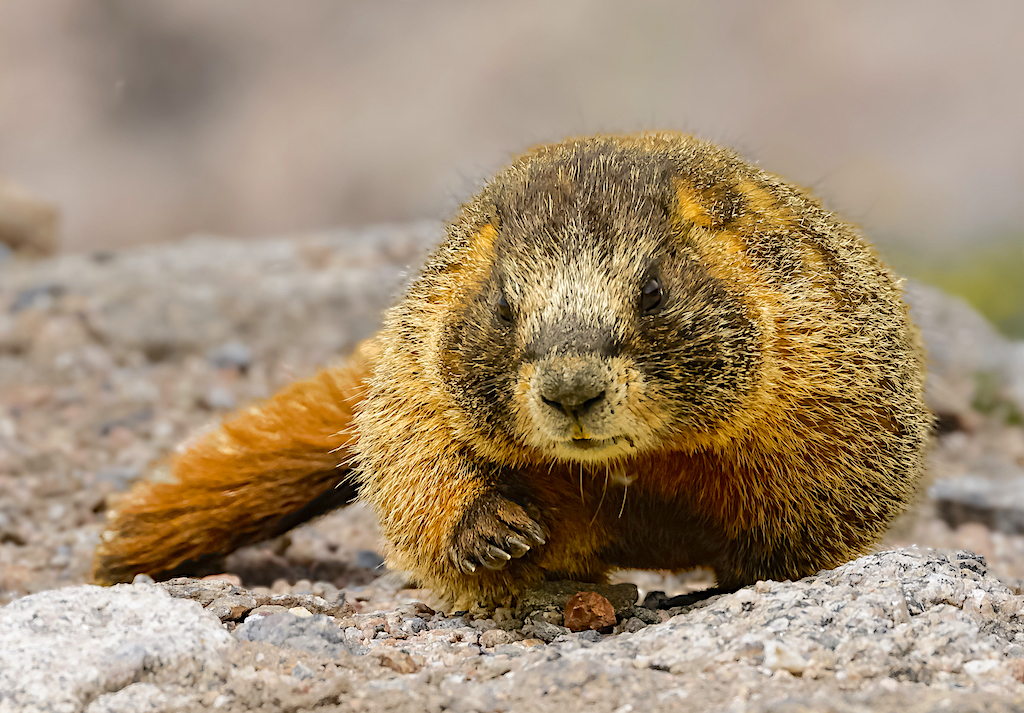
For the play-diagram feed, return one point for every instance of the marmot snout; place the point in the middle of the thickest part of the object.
(579, 406)
(629, 351)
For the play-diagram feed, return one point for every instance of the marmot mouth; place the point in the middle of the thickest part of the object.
(589, 444)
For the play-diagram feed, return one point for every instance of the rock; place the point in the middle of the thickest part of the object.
(864, 636)
(778, 656)
(633, 624)
(369, 559)
(970, 365)
(998, 504)
(232, 607)
(302, 672)
(496, 637)
(589, 610)
(317, 634)
(139, 697)
(231, 355)
(224, 577)
(204, 591)
(27, 224)
(208, 589)
(63, 648)
(414, 625)
(647, 616)
(398, 661)
(544, 631)
(556, 594)
(218, 398)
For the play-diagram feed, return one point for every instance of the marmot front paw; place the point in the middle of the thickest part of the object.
(493, 531)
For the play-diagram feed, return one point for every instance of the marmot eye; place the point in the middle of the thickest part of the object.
(652, 297)
(504, 311)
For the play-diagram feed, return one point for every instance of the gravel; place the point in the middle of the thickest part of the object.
(108, 361)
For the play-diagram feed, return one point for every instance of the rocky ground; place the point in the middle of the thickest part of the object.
(108, 360)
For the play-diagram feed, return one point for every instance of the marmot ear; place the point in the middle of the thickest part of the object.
(483, 239)
(688, 205)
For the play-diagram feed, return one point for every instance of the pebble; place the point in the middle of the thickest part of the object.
(588, 610)
(232, 607)
(231, 355)
(302, 672)
(544, 631)
(496, 637)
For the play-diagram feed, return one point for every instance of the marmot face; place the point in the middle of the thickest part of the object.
(593, 331)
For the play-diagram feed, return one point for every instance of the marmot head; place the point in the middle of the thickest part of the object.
(589, 327)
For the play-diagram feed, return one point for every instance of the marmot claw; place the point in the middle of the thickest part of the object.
(492, 532)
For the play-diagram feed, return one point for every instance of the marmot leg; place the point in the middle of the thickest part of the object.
(264, 471)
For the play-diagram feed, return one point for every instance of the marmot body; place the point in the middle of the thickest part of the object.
(633, 351)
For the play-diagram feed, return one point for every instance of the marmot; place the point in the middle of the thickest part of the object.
(628, 352)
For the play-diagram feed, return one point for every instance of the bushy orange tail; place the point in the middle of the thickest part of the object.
(264, 471)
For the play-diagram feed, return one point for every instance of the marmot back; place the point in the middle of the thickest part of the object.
(633, 351)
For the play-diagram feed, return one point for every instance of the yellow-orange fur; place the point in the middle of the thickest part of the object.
(815, 447)
(233, 485)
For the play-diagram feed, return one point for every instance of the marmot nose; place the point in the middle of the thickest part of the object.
(573, 399)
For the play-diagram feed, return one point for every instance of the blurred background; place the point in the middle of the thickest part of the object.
(148, 120)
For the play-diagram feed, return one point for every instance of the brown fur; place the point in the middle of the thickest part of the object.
(524, 418)
(241, 482)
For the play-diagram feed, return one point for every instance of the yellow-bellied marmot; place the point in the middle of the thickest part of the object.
(629, 351)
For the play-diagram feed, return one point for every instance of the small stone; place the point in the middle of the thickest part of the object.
(779, 657)
(496, 637)
(551, 616)
(303, 586)
(218, 398)
(368, 559)
(1017, 670)
(633, 625)
(556, 594)
(589, 610)
(224, 577)
(414, 625)
(201, 591)
(309, 602)
(982, 667)
(398, 661)
(142, 578)
(266, 610)
(27, 224)
(302, 672)
(544, 631)
(318, 634)
(231, 355)
(532, 642)
(510, 650)
(655, 600)
(232, 607)
(454, 622)
(511, 624)
(647, 616)
(301, 612)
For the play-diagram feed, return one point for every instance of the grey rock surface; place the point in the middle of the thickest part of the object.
(316, 634)
(903, 630)
(969, 363)
(996, 503)
(107, 362)
(60, 650)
